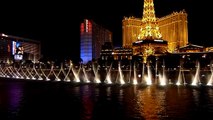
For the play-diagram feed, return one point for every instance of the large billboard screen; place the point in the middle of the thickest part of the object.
(18, 57)
(17, 50)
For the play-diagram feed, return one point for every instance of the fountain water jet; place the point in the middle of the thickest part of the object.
(196, 79)
(36, 73)
(29, 73)
(12, 72)
(210, 81)
(86, 79)
(2, 74)
(24, 73)
(52, 72)
(143, 75)
(95, 71)
(162, 77)
(120, 75)
(108, 76)
(19, 72)
(130, 72)
(181, 78)
(76, 79)
(7, 72)
(67, 78)
(135, 82)
(148, 78)
(60, 71)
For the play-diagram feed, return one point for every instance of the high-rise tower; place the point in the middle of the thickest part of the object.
(92, 37)
(149, 29)
(149, 41)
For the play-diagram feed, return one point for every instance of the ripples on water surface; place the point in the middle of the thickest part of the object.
(47, 100)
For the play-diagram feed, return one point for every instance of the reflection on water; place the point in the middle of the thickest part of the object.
(10, 100)
(87, 103)
(15, 97)
(151, 103)
(41, 100)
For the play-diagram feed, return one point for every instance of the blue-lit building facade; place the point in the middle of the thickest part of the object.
(92, 37)
(16, 49)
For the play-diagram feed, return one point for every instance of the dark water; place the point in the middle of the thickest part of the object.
(36, 100)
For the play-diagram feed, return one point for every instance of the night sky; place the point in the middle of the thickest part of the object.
(56, 23)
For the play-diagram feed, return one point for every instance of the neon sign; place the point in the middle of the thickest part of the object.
(86, 25)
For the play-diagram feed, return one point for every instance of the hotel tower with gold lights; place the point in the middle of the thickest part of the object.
(173, 27)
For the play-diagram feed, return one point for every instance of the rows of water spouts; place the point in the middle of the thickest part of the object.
(81, 75)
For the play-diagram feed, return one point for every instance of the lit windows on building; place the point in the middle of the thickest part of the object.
(116, 54)
(122, 53)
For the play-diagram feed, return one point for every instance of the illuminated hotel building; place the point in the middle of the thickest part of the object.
(92, 37)
(173, 28)
(18, 48)
(130, 30)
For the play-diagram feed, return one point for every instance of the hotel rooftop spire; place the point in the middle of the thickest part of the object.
(149, 28)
